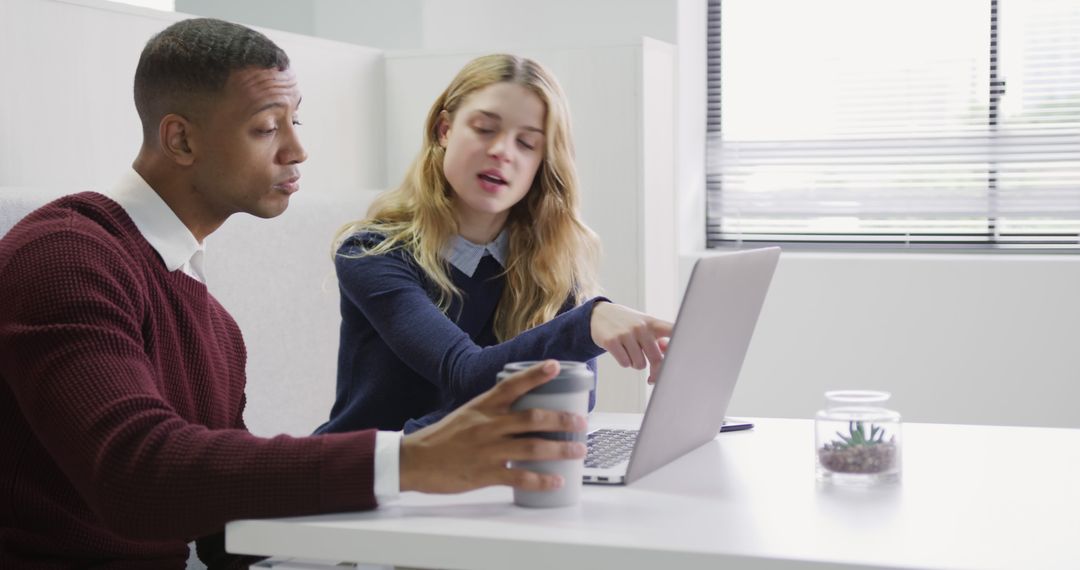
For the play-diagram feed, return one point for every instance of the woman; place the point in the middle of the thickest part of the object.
(479, 258)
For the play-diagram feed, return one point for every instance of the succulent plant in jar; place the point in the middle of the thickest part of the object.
(859, 452)
(857, 438)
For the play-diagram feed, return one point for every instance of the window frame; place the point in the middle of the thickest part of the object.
(968, 243)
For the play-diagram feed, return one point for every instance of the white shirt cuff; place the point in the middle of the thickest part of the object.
(387, 465)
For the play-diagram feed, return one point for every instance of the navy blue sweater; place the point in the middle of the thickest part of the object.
(404, 364)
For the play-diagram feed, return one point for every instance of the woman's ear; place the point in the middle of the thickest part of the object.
(174, 133)
(442, 127)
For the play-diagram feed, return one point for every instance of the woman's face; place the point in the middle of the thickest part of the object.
(494, 145)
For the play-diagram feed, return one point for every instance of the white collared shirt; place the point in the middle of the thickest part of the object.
(179, 250)
(157, 223)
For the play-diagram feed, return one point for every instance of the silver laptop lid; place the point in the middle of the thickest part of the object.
(712, 333)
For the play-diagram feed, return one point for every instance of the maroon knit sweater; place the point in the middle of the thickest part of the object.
(121, 404)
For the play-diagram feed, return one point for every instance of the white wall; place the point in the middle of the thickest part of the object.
(67, 120)
(284, 15)
(692, 39)
(384, 24)
(67, 116)
(394, 24)
(490, 24)
(982, 339)
(456, 24)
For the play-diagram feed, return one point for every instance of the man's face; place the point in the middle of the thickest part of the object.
(248, 149)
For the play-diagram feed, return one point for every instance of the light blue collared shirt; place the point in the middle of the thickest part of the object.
(466, 255)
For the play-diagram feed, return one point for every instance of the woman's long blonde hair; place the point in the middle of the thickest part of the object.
(552, 254)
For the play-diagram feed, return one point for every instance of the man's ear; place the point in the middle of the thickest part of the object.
(442, 127)
(175, 133)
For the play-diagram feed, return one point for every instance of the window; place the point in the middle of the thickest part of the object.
(916, 124)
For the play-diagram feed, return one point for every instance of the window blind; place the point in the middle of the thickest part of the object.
(919, 123)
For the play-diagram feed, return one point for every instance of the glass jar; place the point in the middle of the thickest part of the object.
(857, 439)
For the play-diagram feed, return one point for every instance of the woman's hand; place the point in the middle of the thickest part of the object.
(654, 371)
(634, 339)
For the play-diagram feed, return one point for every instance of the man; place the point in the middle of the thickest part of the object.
(121, 405)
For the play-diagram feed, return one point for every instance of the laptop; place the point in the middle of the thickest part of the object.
(712, 333)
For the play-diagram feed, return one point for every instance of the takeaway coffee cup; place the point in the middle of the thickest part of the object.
(566, 392)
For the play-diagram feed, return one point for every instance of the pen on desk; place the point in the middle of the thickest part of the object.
(735, 425)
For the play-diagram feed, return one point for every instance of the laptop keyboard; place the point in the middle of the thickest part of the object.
(609, 447)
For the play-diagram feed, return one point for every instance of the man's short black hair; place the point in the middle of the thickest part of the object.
(192, 59)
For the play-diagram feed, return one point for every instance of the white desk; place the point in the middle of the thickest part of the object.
(970, 497)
